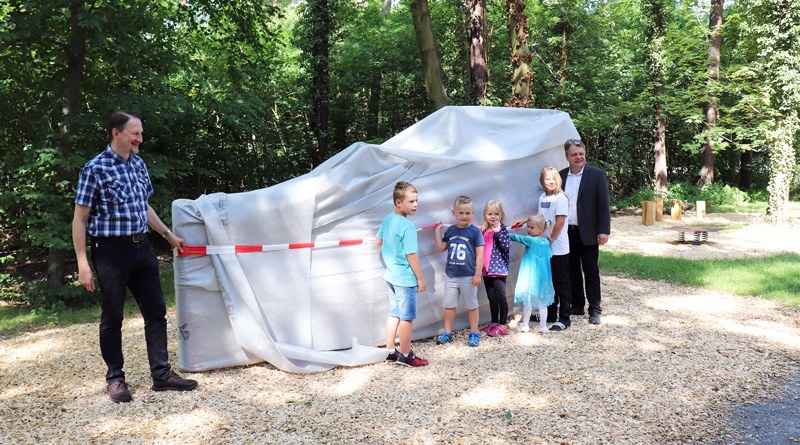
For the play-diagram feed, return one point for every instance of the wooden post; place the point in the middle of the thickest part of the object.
(659, 209)
(701, 210)
(648, 212)
(675, 210)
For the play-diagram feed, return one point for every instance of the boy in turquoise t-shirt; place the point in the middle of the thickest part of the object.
(398, 240)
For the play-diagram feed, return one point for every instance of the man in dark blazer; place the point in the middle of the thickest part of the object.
(589, 224)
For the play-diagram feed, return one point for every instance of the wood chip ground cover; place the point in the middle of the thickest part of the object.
(668, 365)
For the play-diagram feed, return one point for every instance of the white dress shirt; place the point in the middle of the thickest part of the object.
(571, 190)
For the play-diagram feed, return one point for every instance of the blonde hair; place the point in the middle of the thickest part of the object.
(539, 221)
(496, 204)
(400, 190)
(551, 170)
(463, 199)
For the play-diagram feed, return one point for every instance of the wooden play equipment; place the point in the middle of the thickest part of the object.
(648, 212)
(675, 210)
(659, 209)
(701, 210)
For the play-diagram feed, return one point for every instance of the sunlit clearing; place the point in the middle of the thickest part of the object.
(353, 381)
(486, 397)
(501, 391)
(34, 350)
(198, 423)
(767, 331)
(16, 391)
(617, 320)
(698, 304)
(651, 346)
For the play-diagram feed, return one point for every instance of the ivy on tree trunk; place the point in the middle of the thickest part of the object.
(478, 71)
(520, 54)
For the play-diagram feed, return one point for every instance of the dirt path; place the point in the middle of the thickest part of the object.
(668, 365)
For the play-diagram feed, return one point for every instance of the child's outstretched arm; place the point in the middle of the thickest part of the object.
(501, 237)
(476, 279)
(413, 261)
(520, 239)
(440, 245)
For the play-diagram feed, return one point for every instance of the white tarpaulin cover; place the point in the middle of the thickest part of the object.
(306, 310)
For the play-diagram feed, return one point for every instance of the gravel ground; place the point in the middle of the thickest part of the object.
(669, 365)
(775, 420)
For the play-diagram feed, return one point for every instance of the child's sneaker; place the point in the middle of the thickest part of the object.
(558, 327)
(393, 356)
(488, 327)
(523, 328)
(541, 329)
(498, 330)
(411, 360)
(474, 339)
(444, 338)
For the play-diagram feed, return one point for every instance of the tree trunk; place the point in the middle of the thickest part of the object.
(562, 81)
(746, 170)
(657, 74)
(710, 107)
(76, 58)
(478, 71)
(429, 55)
(374, 106)
(781, 164)
(386, 8)
(660, 147)
(319, 11)
(520, 54)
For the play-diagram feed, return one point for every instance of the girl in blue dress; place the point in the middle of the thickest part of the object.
(535, 281)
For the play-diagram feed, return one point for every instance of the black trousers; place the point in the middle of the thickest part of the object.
(559, 264)
(122, 265)
(584, 269)
(498, 302)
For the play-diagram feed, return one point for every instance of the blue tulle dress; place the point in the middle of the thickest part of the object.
(535, 279)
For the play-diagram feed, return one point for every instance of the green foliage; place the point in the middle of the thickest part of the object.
(774, 278)
(225, 91)
(714, 194)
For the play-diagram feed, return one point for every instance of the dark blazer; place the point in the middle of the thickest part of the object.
(594, 210)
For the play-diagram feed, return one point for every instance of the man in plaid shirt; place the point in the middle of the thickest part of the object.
(111, 203)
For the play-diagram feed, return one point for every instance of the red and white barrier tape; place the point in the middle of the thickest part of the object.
(221, 250)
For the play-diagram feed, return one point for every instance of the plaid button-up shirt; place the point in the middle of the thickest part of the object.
(117, 191)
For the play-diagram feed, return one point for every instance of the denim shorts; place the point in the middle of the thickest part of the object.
(402, 302)
(460, 287)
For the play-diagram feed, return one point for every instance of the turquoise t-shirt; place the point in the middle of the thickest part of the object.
(399, 239)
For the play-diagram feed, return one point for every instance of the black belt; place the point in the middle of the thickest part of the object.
(573, 225)
(135, 238)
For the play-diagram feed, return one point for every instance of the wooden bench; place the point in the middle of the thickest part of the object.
(700, 233)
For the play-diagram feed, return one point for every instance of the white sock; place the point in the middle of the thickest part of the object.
(543, 317)
(526, 315)
(391, 351)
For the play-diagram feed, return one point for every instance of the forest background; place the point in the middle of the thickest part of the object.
(672, 97)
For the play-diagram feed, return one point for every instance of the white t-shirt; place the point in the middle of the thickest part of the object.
(551, 206)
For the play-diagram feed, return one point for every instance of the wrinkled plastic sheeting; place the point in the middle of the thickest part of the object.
(306, 310)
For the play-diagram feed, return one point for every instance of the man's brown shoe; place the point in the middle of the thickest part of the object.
(174, 383)
(118, 391)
